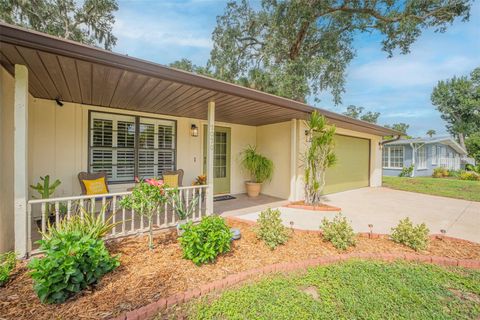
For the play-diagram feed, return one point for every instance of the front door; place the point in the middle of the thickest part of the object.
(221, 159)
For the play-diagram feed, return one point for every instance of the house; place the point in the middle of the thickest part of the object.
(425, 154)
(66, 108)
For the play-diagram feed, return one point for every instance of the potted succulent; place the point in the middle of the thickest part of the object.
(182, 210)
(259, 167)
(46, 189)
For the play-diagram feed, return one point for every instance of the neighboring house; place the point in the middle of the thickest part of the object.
(66, 108)
(425, 154)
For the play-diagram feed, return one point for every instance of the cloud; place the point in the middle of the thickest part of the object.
(407, 72)
(160, 33)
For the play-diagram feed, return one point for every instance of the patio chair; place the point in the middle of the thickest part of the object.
(178, 172)
(83, 177)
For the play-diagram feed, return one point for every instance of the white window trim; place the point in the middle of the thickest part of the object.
(422, 165)
(389, 167)
(434, 154)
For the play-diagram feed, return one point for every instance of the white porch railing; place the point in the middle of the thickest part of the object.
(129, 223)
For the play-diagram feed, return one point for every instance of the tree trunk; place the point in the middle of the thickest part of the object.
(150, 233)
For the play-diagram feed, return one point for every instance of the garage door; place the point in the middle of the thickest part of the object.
(352, 168)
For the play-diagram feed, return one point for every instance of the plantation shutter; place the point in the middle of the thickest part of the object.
(116, 149)
(112, 146)
(156, 147)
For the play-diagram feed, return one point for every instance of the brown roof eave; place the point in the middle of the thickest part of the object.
(40, 41)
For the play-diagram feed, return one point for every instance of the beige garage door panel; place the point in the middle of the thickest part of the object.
(352, 168)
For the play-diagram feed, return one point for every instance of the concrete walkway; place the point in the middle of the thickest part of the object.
(384, 207)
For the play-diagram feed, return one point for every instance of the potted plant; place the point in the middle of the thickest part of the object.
(46, 190)
(182, 210)
(259, 167)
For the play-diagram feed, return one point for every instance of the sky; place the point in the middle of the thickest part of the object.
(398, 87)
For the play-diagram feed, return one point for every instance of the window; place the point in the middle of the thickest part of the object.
(422, 157)
(128, 146)
(393, 157)
(434, 155)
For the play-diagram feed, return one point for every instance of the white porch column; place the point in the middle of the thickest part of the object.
(293, 160)
(210, 150)
(20, 154)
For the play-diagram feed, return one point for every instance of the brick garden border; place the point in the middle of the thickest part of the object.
(152, 309)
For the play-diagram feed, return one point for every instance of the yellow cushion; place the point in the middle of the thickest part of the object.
(96, 186)
(171, 180)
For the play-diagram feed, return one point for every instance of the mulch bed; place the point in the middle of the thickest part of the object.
(145, 276)
(301, 205)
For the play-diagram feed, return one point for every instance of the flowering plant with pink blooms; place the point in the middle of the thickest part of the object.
(148, 197)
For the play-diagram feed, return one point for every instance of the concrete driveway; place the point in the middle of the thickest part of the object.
(384, 207)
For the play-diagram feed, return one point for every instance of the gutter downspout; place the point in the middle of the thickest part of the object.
(391, 140)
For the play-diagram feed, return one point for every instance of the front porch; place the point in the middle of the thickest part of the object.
(242, 204)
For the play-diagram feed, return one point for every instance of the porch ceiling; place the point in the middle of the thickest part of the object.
(87, 75)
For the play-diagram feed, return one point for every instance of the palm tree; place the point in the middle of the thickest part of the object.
(431, 133)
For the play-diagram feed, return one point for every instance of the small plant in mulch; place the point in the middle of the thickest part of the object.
(75, 257)
(338, 231)
(147, 199)
(270, 228)
(203, 242)
(8, 260)
(415, 237)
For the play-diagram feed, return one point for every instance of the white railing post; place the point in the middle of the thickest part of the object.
(186, 194)
(210, 153)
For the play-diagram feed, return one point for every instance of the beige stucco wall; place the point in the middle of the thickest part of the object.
(6, 161)
(59, 145)
(274, 142)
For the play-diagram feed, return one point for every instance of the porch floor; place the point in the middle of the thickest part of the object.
(244, 204)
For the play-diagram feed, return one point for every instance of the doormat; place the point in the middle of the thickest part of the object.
(223, 198)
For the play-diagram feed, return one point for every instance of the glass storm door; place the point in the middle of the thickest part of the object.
(221, 159)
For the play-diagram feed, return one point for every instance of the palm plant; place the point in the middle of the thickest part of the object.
(88, 224)
(259, 167)
(318, 157)
(181, 208)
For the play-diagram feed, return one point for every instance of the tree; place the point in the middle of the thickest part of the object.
(473, 146)
(89, 22)
(318, 157)
(354, 111)
(305, 46)
(357, 113)
(402, 127)
(188, 65)
(458, 100)
(431, 133)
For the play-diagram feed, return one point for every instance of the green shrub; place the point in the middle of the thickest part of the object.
(270, 228)
(8, 260)
(455, 173)
(74, 258)
(440, 172)
(415, 237)
(406, 171)
(338, 231)
(203, 242)
(469, 175)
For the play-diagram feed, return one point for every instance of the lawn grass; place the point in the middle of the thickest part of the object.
(445, 187)
(352, 290)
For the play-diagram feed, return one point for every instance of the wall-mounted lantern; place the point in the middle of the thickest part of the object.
(194, 130)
